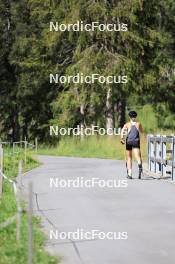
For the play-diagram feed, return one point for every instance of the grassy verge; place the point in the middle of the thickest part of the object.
(92, 147)
(107, 147)
(12, 252)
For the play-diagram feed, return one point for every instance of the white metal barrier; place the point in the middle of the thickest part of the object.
(161, 154)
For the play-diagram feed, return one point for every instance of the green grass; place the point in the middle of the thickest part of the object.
(147, 117)
(12, 252)
(149, 121)
(105, 147)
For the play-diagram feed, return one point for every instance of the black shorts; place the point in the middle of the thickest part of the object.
(133, 144)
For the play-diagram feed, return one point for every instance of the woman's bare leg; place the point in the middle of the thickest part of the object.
(138, 157)
(129, 162)
(137, 154)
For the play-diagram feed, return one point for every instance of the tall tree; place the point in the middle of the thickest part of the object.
(30, 52)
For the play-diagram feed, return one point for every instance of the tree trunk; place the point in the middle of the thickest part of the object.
(25, 130)
(82, 120)
(15, 129)
(109, 111)
(121, 112)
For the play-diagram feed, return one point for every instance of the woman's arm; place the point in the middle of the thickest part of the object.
(123, 133)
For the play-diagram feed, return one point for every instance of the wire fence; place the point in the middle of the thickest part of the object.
(17, 188)
(17, 146)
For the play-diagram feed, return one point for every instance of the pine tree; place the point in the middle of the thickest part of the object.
(30, 53)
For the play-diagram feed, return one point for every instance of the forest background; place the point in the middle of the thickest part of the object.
(29, 52)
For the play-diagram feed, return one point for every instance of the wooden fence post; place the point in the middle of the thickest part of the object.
(18, 200)
(173, 158)
(1, 168)
(25, 152)
(36, 144)
(30, 214)
(20, 173)
(13, 148)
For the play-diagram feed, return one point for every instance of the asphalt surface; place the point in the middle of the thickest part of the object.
(144, 210)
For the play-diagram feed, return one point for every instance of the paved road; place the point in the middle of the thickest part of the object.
(145, 210)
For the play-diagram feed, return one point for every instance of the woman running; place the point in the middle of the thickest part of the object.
(131, 131)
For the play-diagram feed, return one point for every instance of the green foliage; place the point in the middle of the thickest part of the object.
(29, 53)
(165, 117)
(90, 147)
(147, 117)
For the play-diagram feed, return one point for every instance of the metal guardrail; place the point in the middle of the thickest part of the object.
(161, 154)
